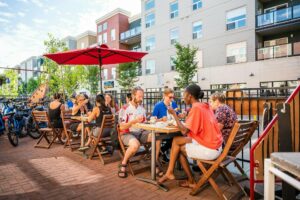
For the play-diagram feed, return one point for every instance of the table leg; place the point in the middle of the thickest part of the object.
(82, 147)
(153, 166)
(153, 157)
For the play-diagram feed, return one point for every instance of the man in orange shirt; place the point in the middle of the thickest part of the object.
(202, 137)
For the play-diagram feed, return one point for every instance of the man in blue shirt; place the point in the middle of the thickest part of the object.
(161, 112)
(161, 108)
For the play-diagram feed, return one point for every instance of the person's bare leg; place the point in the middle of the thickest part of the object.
(176, 145)
(185, 165)
(133, 147)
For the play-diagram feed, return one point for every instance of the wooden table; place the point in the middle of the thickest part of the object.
(286, 166)
(153, 128)
(82, 119)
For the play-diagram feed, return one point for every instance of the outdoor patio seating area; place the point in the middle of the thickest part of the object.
(57, 173)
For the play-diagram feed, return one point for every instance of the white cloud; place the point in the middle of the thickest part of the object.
(3, 4)
(21, 14)
(38, 3)
(6, 14)
(39, 21)
(2, 20)
(24, 1)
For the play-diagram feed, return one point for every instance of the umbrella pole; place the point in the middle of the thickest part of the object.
(100, 68)
(100, 78)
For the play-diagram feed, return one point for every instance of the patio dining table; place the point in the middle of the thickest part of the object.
(155, 129)
(82, 119)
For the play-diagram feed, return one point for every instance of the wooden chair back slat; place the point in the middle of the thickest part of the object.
(242, 137)
(42, 116)
(107, 122)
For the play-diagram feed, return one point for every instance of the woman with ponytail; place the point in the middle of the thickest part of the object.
(201, 138)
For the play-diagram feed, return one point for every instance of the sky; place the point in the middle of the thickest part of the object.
(24, 24)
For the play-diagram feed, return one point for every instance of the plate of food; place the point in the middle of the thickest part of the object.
(161, 124)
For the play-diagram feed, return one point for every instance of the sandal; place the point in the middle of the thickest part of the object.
(186, 184)
(122, 174)
(158, 171)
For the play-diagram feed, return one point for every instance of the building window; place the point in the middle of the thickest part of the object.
(150, 43)
(113, 73)
(150, 67)
(172, 64)
(236, 18)
(197, 4)
(174, 9)
(105, 74)
(113, 34)
(104, 26)
(104, 41)
(82, 45)
(99, 39)
(228, 86)
(236, 53)
(174, 35)
(197, 30)
(149, 4)
(150, 20)
(99, 28)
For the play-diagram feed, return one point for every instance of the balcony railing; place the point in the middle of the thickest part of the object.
(278, 16)
(278, 51)
(130, 33)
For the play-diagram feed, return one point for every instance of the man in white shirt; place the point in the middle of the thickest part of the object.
(131, 114)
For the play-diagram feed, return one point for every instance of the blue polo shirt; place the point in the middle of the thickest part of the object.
(160, 109)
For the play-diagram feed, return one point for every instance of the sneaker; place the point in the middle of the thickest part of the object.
(75, 134)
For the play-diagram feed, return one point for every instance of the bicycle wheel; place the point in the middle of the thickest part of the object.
(13, 137)
(32, 130)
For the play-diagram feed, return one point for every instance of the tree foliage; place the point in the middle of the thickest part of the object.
(32, 85)
(185, 64)
(127, 75)
(10, 88)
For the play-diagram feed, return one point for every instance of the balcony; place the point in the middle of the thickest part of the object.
(279, 20)
(131, 36)
(278, 51)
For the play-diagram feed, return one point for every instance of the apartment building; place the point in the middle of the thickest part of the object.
(86, 39)
(241, 43)
(30, 68)
(71, 42)
(117, 29)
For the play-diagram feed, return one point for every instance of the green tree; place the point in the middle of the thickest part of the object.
(32, 84)
(22, 87)
(55, 76)
(127, 75)
(93, 78)
(10, 88)
(185, 64)
(2, 79)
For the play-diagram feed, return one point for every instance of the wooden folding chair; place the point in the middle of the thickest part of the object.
(47, 132)
(141, 154)
(99, 141)
(237, 140)
(236, 147)
(66, 121)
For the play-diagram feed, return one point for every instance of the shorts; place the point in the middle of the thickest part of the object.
(198, 151)
(105, 133)
(142, 137)
(74, 126)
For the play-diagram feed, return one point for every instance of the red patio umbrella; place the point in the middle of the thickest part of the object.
(98, 55)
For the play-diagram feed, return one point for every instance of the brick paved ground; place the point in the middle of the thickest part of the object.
(58, 173)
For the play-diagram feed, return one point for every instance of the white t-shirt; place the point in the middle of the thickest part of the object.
(129, 113)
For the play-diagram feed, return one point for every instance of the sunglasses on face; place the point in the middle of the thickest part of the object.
(171, 97)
